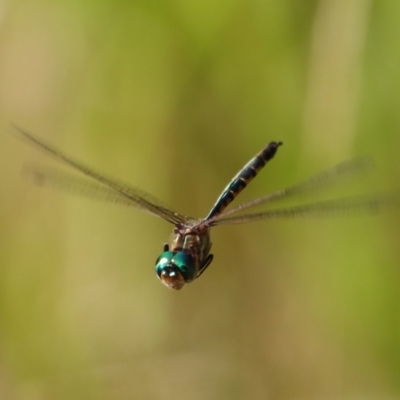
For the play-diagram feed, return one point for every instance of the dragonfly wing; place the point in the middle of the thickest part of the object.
(368, 204)
(324, 180)
(102, 187)
(72, 184)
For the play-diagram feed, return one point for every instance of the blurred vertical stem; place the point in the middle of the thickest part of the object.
(335, 63)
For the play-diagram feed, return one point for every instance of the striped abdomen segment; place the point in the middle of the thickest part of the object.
(243, 177)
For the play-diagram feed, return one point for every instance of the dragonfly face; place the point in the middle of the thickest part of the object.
(174, 269)
(188, 254)
(185, 258)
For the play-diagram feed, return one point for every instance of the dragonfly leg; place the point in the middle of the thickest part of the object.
(205, 264)
(166, 247)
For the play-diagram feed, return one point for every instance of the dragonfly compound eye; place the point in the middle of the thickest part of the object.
(175, 269)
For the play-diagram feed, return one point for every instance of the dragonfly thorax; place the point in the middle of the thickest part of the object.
(174, 269)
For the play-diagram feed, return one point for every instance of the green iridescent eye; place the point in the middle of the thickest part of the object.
(173, 268)
(186, 265)
(163, 260)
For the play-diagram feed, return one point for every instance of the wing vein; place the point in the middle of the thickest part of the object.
(140, 198)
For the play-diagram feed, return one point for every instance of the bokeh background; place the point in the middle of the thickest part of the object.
(174, 97)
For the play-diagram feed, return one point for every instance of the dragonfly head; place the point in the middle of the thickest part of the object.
(175, 269)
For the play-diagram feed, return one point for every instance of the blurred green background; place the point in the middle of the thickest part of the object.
(174, 97)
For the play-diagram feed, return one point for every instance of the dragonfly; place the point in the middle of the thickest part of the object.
(187, 255)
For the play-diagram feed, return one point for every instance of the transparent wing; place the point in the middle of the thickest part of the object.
(368, 204)
(72, 184)
(105, 188)
(324, 180)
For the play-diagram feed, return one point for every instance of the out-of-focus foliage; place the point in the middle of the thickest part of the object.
(174, 97)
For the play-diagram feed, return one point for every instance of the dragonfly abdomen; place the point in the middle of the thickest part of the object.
(243, 178)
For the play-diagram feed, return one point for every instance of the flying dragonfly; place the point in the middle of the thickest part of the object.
(187, 255)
